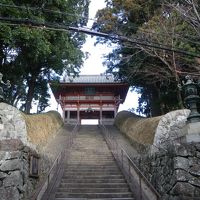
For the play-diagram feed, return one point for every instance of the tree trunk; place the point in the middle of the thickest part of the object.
(179, 98)
(154, 103)
(31, 88)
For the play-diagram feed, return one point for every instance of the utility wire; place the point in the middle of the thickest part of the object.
(45, 10)
(183, 37)
(94, 33)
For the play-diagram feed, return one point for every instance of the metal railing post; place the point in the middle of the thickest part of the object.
(122, 155)
(140, 184)
(129, 170)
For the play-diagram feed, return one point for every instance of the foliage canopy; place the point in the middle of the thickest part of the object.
(153, 72)
(32, 56)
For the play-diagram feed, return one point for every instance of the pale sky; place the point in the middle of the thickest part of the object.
(93, 65)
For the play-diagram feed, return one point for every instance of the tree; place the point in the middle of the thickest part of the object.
(155, 71)
(40, 54)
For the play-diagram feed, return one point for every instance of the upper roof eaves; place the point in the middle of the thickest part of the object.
(90, 79)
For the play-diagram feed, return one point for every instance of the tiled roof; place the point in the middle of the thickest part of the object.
(89, 79)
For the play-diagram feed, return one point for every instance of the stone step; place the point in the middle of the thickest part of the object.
(86, 170)
(93, 180)
(90, 173)
(82, 162)
(94, 195)
(97, 166)
(92, 185)
(93, 190)
(94, 159)
(95, 198)
(91, 159)
(105, 177)
(90, 155)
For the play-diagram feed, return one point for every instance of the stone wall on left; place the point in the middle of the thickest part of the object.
(21, 136)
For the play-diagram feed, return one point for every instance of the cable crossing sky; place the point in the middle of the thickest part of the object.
(53, 26)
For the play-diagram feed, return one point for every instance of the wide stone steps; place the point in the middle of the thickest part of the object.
(92, 185)
(93, 190)
(93, 168)
(94, 195)
(84, 176)
(91, 172)
(64, 198)
(87, 173)
(93, 181)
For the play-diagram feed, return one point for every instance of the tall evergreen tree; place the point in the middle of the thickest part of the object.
(31, 56)
(154, 71)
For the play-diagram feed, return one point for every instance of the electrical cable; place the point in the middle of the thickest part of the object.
(95, 33)
(75, 15)
(44, 10)
(185, 37)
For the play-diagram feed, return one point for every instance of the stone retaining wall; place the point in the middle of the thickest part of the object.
(170, 163)
(175, 172)
(21, 136)
(15, 182)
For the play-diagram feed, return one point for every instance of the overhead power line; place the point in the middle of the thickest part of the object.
(41, 9)
(44, 25)
(27, 8)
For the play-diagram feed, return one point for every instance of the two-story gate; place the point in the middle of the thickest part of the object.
(90, 97)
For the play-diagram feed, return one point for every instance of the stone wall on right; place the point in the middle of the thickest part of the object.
(170, 163)
(175, 171)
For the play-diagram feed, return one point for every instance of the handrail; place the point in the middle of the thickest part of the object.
(45, 183)
(142, 188)
(141, 174)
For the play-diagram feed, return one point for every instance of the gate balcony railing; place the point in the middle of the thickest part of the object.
(88, 97)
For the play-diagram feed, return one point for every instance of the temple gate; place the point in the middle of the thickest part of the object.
(90, 97)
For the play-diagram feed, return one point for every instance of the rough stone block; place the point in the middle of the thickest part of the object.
(198, 154)
(3, 175)
(12, 155)
(181, 163)
(181, 175)
(193, 137)
(195, 170)
(193, 161)
(183, 188)
(10, 193)
(167, 187)
(11, 165)
(197, 192)
(10, 144)
(183, 150)
(195, 182)
(197, 146)
(14, 179)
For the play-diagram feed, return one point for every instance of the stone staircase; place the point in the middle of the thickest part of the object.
(91, 171)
